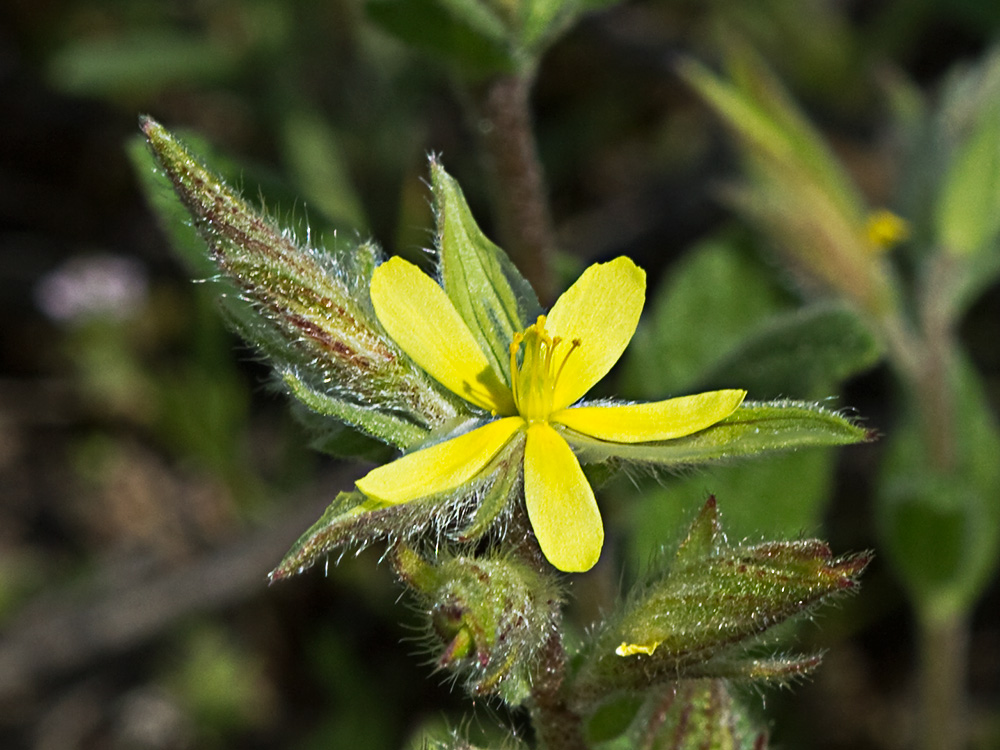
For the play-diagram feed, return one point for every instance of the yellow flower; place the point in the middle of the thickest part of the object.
(553, 363)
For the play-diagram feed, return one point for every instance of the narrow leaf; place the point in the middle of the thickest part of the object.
(753, 428)
(808, 352)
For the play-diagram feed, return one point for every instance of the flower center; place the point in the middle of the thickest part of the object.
(533, 382)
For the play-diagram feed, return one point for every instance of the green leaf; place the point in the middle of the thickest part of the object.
(968, 211)
(783, 496)
(433, 27)
(725, 289)
(485, 287)
(941, 520)
(808, 353)
(318, 167)
(752, 429)
(140, 64)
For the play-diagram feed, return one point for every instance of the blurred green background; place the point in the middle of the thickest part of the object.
(149, 476)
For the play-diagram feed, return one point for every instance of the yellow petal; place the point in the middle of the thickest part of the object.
(560, 502)
(660, 420)
(441, 467)
(601, 311)
(630, 649)
(418, 315)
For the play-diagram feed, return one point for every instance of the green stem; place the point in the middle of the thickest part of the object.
(943, 666)
(503, 119)
(925, 360)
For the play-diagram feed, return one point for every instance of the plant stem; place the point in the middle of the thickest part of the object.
(558, 727)
(943, 666)
(521, 206)
(925, 361)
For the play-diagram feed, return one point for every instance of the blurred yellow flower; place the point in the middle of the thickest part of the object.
(553, 363)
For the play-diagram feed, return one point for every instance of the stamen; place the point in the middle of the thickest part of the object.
(574, 345)
(533, 382)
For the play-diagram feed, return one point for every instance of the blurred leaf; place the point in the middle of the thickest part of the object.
(141, 63)
(797, 191)
(487, 290)
(318, 168)
(941, 524)
(221, 682)
(756, 106)
(433, 27)
(968, 211)
(725, 290)
(782, 496)
(806, 353)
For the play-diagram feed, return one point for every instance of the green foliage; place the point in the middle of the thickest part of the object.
(695, 619)
(809, 352)
(732, 294)
(495, 609)
(940, 518)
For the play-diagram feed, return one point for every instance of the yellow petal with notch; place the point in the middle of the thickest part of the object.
(441, 467)
(560, 502)
(601, 311)
(417, 314)
(660, 420)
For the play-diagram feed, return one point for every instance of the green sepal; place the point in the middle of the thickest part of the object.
(496, 497)
(808, 352)
(753, 428)
(488, 291)
(382, 425)
(352, 520)
(305, 309)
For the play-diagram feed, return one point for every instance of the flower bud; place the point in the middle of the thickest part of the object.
(311, 313)
(491, 615)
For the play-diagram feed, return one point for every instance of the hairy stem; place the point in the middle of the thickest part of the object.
(558, 727)
(521, 206)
